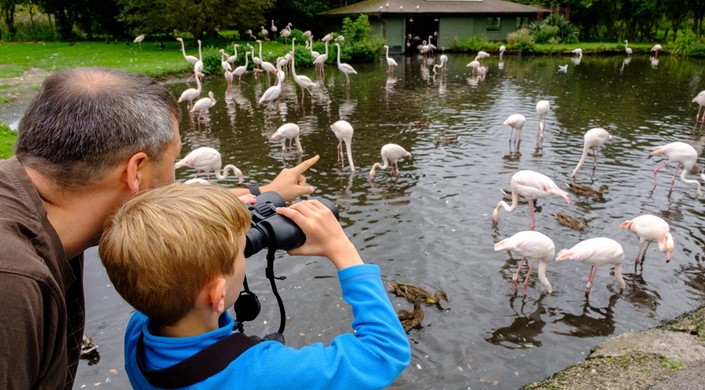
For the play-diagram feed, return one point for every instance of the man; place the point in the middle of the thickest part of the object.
(90, 140)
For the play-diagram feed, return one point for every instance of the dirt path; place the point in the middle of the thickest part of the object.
(19, 91)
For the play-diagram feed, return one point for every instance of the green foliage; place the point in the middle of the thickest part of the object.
(520, 41)
(554, 29)
(360, 45)
(357, 30)
(470, 44)
(688, 44)
(7, 139)
(211, 61)
(673, 365)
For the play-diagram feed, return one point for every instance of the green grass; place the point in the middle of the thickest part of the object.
(7, 139)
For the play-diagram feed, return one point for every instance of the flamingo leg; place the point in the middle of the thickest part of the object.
(673, 181)
(701, 119)
(340, 153)
(531, 211)
(516, 274)
(528, 274)
(593, 271)
(658, 169)
(643, 255)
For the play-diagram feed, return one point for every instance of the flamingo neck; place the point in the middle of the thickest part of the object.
(348, 148)
(542, 276)
(582, 160)
(338, 54)
(224, 173)
(183, 49)
(326, 47)
(689, 181)
(618, 276)
(200, 55)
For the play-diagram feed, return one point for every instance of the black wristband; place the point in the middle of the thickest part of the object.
(254, 189)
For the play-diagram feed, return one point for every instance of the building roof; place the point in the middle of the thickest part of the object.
(407, 7)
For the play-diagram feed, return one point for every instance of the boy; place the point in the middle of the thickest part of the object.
(176, 254)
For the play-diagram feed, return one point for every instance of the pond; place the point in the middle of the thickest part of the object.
(432, 224)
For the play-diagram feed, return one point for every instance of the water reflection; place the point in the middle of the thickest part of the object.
(591, 322)
(525, 329)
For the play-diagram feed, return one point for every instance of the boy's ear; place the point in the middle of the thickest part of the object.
(216, 293)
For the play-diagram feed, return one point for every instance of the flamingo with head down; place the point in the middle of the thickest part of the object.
(593, 140)
(597, 252)
(391, 153)
(205, 159)
(650, 228)
(533, 245)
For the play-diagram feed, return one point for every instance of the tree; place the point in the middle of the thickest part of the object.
(7, 9)
(66, 13)
(675, 12)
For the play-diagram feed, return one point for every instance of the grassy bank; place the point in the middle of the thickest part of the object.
(7, 139)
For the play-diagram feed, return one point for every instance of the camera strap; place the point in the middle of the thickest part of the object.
(269, 272)
(200, 366)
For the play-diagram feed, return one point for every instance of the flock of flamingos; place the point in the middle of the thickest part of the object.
(526, 185)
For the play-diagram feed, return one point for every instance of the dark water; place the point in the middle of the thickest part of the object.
(432, 225)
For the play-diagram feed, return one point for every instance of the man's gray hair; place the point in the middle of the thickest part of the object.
(85, 121)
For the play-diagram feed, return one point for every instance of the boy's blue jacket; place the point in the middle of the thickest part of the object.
(370, 358)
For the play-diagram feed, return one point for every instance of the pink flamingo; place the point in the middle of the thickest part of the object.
(597, 252)
(542, 108)
(531, 185)
(190, 94)
(343, 130)
(516, 122)
(291, 132)
(207, 159)
(390, 154)
(533, 245)
(203, 105)
(700, 99)
(683, 154)
(593, 139)
(650, 228)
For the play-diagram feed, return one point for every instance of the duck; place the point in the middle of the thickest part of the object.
(422, 124)
(411, 291)
(581, 189)
(575, 223)
(445, 140)
(411, 319)
(88, 347)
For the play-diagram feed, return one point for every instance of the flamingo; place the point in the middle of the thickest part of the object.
(627, 49)
(321, 59)
(304, 82)
(391, 63)
(309, 46)
(656, 49)
(264, 33)
(192, 93)
(597, 252)
(203, 105)
(533, 245)
(516, 122)
(291, 132)
(683, 154)
(531, 185)
(578, 51)
(286, 33)
(198, 66)
(343, 130)
(501, 51)
(474, 64)
(593, 139)
(442, 65)
(191, 59)
(542, 108)
(345, 68)
(139, 40)
(650, 228)
(390, 154)
(700, 99)
(231, 59)
(242, 69)
(274, 28)
(273, 92)
(266, 66)
(205, 159)
(227, 70)
(256, 60)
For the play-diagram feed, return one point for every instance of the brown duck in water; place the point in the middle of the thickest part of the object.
(412, 319)
(572, 222)
(411, 291)
(581, 189)
(422, 124)
(445, 140)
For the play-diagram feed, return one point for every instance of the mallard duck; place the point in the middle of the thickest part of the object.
(412, 319)
(88, 347)
(445, 140)
(575, 223)
(422, 124)
(411, 291)
(581, 189)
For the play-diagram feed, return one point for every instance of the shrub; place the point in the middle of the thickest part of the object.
(520, 41)
(471, 44)
(685, 43)
(360, 45)
(211, 61)
(555, 28)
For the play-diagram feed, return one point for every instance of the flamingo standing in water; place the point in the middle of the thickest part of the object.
(442, 65)
(627, 49)
(650, 228)
(203, 105)
(683, 154)
(242, 69)
(533, 245)
(391, 63)
(291, 132)
(273, 92)
(657, 48)
(304, 82)
(516, 122)
(542, 108)
(343, 130)
(531, 185)
(207, 159)
(597, 252)
(391, 153)
(266, 66)
(700, 99)
(345, 68)
(593, 139)
(190, 94)
(321, 59)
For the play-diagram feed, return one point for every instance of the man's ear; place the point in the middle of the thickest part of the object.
(216, 294)
(138, 172)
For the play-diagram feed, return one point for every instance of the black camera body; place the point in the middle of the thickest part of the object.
(271, 230)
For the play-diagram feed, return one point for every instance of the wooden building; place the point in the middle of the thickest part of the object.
(443, 20)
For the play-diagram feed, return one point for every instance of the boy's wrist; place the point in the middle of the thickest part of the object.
(345, 256)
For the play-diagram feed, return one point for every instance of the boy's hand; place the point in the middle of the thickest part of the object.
(324, 235)
(290, 183)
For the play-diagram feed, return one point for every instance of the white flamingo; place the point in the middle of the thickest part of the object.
(207, 159)
(203, 105)
(291, 132)
(345, 68)
(685, 155)
(650, 228)
(391, 153)
(533, 245)
(274, 29)
(321, 60)
(189, 95)
(191, 59)
(592, 140)
(442, 65)
(597, 252)
(266, 66)
(531, 185)
(627, 49)
(391, 63)
(343, 130)
(138, 40)
(241, 70)
(656, 49)
(700, 99)
(273, 92)
(304, 82)
(542, 108)
(516, 122)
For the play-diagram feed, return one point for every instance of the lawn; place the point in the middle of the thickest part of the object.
(7, 139)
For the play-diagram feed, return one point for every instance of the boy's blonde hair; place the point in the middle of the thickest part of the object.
(163, 246)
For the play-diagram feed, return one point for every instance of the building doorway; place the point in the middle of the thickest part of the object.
(418, 29)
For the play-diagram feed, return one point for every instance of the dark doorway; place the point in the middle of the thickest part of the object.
(418, 29)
